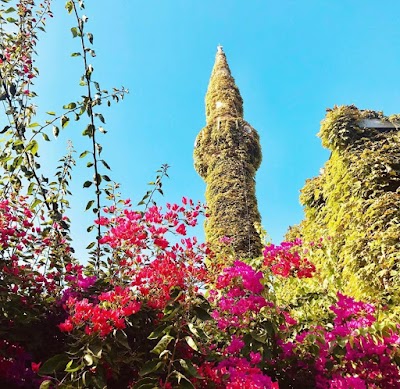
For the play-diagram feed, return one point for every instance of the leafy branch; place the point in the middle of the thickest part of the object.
(157, 186)
(94, 97)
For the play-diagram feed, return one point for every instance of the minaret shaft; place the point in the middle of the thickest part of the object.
(227, 154)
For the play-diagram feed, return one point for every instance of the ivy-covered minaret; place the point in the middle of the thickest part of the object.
(227, 154)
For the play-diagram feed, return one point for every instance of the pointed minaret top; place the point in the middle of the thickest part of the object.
(223, 97)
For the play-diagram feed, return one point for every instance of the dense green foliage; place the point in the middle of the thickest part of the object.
(227, 154)
(355, 202)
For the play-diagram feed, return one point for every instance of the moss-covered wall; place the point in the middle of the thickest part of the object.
(355, 201)
(227, 154)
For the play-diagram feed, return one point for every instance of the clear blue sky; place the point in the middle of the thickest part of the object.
(290, 59)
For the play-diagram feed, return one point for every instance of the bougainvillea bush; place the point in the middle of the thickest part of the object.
(153, 307)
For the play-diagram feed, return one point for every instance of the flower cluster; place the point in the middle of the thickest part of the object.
(133, 231)
(156, 280)
(150, 253)
(16, 225)
(20, 241)
(285, 261)
(351, 354)
(151, 265)
(14, 361)
(237, 296)
(236, 373)
(103, 317)
(76, 279)
(154, 257)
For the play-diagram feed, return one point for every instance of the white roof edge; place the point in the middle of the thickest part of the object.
(377, 123)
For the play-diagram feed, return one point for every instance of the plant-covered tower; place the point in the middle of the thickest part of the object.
(227, 155)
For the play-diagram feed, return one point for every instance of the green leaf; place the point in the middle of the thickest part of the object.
(260, 336)
(84, 154)
(156, 334)
(90, 37)
(30, 188)
(106, 165)
(71, 369)
(54, 364)
(45, 384)
(150, 367)
(52, 113)
(191, 343)
(183, 381)
(33, 146)
(9, 10)
(69, 6)
(88, 359)
(342, 342)
(171, 311)
(89, 205)
(70, 106)
(45, 137)
(87, 184)
(35, 203)
(56, 131)
(162, 344)
(122, 339)
(33, 125)
(74, 31)
(75, 54)
(176, 293)
(17, 162)
(96, 349)
(152, 385)
(88, 131)
(64, 121)
(189, 368)
(90, 246)
(101, 117)
(146, 383)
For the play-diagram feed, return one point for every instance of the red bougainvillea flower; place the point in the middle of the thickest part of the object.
(35, 366)
(284, 260)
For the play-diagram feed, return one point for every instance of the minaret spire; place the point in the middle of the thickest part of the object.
(227, 154)
(223, 96)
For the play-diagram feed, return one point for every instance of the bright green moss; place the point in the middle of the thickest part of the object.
(227, 154)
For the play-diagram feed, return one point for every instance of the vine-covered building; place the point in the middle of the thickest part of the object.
(227, 155)
(355, 203)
